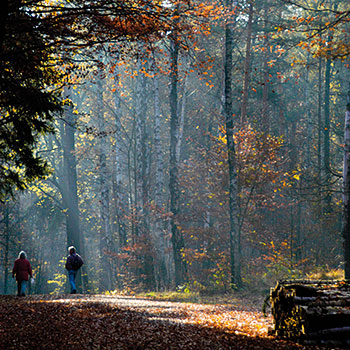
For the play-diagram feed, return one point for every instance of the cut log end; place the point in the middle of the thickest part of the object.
(312, 311)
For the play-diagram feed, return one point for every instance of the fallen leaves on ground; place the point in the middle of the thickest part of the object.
(93, 322)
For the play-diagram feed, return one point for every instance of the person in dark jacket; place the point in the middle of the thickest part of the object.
(73, 264)
(22, 270)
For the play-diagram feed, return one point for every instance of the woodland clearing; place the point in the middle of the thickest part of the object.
(84, 322)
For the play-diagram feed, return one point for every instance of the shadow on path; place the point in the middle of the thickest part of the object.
(81, 324)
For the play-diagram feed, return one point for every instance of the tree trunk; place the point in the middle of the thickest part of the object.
(320, 234)
(298, 229)
(161, 273)
(177, 238)
(326, 143)
(265, 112)
(247, 64)
(106, 278)
(231, 154)
(149, 256)
(346, 191)
(319, 121)
(70, 192)
(182, 110)
(308, 113)
(142, 177)
(7, 246)
(120, 204)
(139, 129)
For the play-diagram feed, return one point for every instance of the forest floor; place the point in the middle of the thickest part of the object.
(91, 322)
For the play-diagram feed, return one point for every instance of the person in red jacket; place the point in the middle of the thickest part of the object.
(22, 270)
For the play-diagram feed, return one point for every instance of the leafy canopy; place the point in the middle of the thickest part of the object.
(37, 39)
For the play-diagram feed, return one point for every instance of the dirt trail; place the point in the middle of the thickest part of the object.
(83, 322)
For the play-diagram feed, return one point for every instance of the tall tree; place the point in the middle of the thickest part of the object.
(139, 147)
(326, 133)
(346, 190)
(161, 273)
(69, 186)
(247, 61)
(142, 173)
(265, 73)
(119, 195)
(231, 153)
(106, 242)
(177, 237)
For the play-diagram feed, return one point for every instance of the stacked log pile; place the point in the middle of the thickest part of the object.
(312, 312)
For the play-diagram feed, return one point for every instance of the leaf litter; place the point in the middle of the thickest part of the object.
(94, 322)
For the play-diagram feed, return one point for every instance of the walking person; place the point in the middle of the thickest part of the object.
(22, 270)
(73, 264)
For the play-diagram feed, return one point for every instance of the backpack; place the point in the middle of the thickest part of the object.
(76, 262)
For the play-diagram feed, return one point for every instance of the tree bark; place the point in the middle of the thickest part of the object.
(326, 134)
(247, 64)
(70, 192)
(265, 97)
(107, 278)
(119, 192)
(177, 238)
(161, 273)
(142, 177)
(7, 245)
(320, 234)
(139, 129)
(182, 110)
(308, 113)
(231, 154)
(346, 191)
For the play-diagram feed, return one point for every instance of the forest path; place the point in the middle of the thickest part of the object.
(84, 322)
